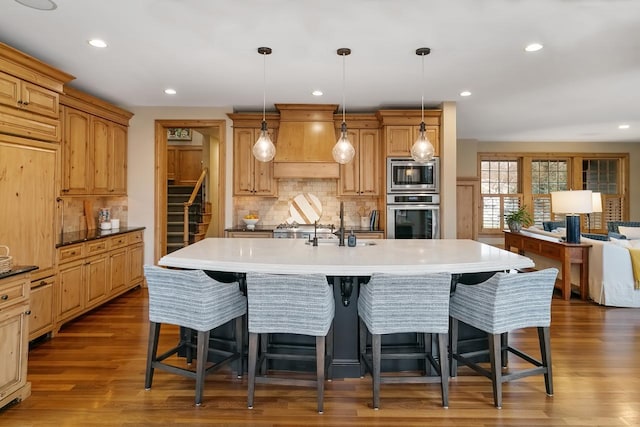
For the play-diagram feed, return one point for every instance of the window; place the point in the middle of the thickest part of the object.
(499, 183)
(507, 183)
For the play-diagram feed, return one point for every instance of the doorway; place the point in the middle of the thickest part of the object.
(214, 145)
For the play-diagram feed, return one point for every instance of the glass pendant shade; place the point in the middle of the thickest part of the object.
(264, 150)
(422, 150)
(343, 152)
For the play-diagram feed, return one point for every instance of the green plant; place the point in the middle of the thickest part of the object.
(519, 216)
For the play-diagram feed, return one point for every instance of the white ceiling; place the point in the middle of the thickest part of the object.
(580, 87)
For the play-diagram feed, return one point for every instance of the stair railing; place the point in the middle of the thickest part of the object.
(188, 204)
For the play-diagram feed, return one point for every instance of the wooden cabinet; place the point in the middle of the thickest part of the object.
(14, 344)
(96, 271)
(28, 96)
(28, 190)
(41, 320)
(467, 208)
(369, 235)
(361, 177)
(400, 139)
(94, 155)
(250, 176)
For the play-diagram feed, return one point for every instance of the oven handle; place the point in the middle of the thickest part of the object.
(420, 207)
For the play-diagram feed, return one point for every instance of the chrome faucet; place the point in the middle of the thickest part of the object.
(341, 230)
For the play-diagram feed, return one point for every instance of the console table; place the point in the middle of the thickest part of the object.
(548, 247)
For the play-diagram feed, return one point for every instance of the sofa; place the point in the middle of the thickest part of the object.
(611, 281)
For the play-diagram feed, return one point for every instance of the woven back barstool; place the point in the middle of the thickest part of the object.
(391, 304)
(501, 304)
(191, 299)
(291, 304)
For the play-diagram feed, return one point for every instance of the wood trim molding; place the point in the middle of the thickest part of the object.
(31, 69)
(96, 106)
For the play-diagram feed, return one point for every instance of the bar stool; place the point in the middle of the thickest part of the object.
(291, 304)
(391, 304)
(191, 299)
(501, 304)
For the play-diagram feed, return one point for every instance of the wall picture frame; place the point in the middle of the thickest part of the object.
(179, 134)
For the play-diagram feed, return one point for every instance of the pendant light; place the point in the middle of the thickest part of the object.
(343, 151)
(422, 150)
(263, 149)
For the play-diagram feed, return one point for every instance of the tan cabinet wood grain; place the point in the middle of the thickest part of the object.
(14, 331)
(135, 258)
(77, 159)
(28, 190)
(41, 319)
(118, 270)
(96, 280)
(70, 293)
(27, 96)
(361, 177)
(251, 177)
(400, 139)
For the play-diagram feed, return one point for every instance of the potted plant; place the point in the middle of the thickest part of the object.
(518, 219)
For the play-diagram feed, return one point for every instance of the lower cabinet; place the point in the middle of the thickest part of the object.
(258, 234)
(94, 272)
(14, 345)
(41, 320)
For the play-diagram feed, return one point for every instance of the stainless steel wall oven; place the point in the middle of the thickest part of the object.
(413, 216)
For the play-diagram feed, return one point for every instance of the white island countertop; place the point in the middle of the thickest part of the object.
(294, 256)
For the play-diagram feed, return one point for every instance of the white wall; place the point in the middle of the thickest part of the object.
(141, 163)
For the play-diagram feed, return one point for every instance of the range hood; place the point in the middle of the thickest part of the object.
(306, 136)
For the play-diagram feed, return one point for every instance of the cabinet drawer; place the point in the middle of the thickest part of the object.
(13, 292)
(118, 241)
(96, 247)
(70, 253)
(135, 237)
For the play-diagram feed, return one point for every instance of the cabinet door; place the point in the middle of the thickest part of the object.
(76, 150)
(188, 165)
(399, 140)
(96, 280)
(118, 271)
(171, 163)
(264, 184)
(243, 161)
(349, 182)
(117, 159)
(99, 145)
(135, 256)
(9, 89)
(28, 190)
(13, 349)
(70, 295)
(41, 307)
(369, 161)
(39, 100)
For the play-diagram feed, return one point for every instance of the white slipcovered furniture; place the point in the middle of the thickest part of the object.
(611, 280)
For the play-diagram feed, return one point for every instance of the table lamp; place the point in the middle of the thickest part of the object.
(572, 204)
(596, 206)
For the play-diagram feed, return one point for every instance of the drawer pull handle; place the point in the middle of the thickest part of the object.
(28, 312)
(4, 297)
(43, 283)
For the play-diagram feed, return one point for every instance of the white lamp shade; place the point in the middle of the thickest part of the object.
(596, 202)
(571, 202)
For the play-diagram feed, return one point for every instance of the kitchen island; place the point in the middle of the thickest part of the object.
(346, 268)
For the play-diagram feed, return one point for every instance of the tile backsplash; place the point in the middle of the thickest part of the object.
(274, 211)
(74, 220)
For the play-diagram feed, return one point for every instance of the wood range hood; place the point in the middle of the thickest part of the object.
(306, 136)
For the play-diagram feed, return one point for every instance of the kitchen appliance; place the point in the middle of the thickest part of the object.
(413, 216)
(406, 175)
(304, 231)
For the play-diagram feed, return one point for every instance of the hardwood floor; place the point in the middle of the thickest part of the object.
(92, 374)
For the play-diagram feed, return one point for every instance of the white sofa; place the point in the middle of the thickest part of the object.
(610, 274)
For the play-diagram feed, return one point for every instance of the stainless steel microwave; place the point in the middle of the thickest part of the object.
(406, 175)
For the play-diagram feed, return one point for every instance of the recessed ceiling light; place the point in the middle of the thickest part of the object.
(317, 93)
(170, 91)
(38, 4)
(533, 47)
(625, 126)
(97, 43)
(465, 93)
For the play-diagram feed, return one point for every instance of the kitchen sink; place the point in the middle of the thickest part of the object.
(334, 242)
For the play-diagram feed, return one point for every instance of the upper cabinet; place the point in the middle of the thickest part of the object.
(29, 96)
(402, 127)
(94, 147)
(250, 176)
(361, 176)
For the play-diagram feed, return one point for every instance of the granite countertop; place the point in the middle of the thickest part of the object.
(18, 269)
(86, 235)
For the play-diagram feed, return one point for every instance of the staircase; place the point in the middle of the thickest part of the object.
(199, 216)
